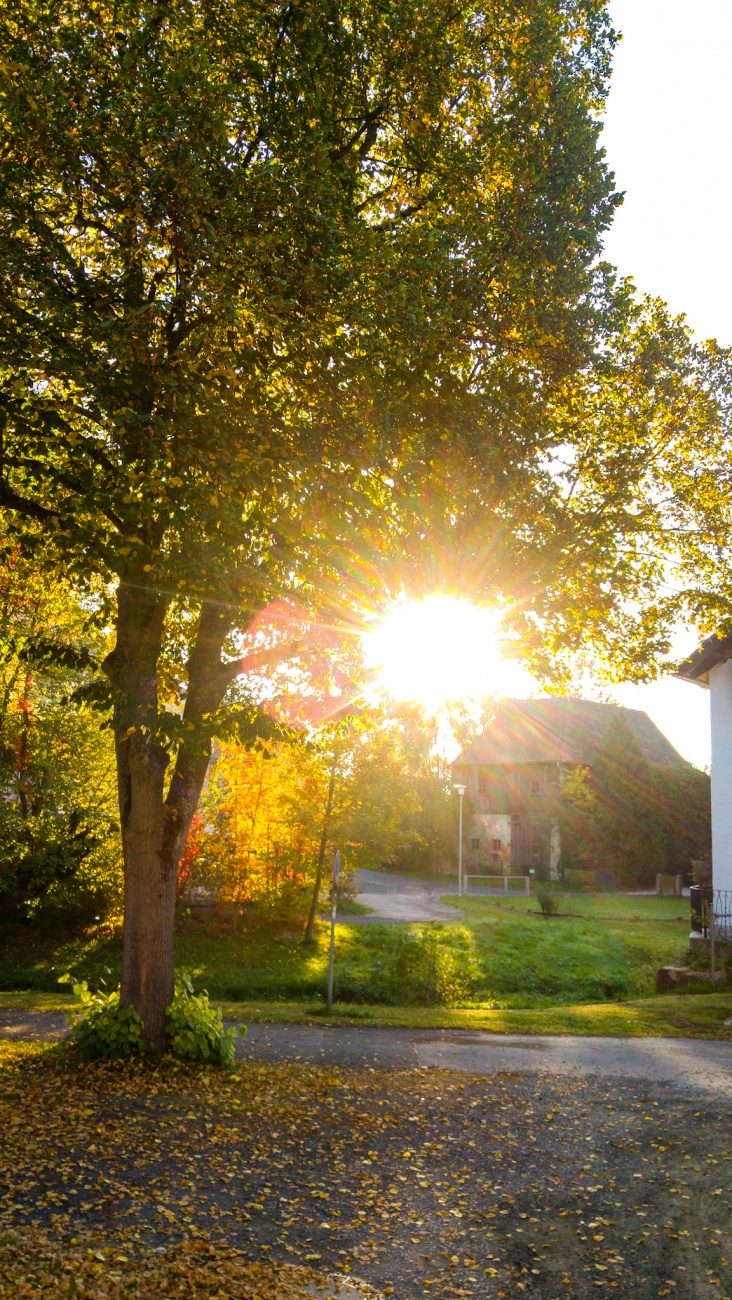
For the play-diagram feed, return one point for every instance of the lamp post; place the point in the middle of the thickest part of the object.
(461, 791)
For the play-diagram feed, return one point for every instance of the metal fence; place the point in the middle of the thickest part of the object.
(711, 912)
(722, 914)
(499, 884)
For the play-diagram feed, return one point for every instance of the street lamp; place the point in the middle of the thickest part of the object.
(461, 791)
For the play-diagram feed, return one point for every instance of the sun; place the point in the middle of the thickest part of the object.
(437, 649)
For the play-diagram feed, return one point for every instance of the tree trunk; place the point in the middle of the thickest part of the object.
(150, 881)
(155, 825)
(149, 891)
(21, 755)
(208, 680)
(310, 928)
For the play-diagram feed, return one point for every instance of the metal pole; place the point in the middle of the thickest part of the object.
(460, 848)
(333, 905)
(461, 791)
(711, 936)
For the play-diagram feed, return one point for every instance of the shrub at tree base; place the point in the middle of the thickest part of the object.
(195, 1029)
(102, 1029)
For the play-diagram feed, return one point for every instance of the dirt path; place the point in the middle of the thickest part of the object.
(33, 1026)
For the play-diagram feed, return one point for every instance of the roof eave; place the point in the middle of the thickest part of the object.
(715, 650)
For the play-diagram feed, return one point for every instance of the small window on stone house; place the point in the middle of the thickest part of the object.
(496, 845)
(475, 844)
(536, 787)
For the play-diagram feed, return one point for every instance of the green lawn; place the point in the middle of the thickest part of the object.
(678, 1016)
(501, 955)
(627, 907)
(503, 968)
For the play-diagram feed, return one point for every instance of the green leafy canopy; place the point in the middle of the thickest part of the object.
(260, 262)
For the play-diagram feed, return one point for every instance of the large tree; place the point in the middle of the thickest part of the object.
(281, 286)
(637, 502)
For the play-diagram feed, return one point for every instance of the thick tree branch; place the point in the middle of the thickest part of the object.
(31, 509)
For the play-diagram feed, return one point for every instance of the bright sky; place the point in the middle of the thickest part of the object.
(668, 123)
(667, 132)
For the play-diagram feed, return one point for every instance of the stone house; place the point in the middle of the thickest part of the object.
(514, 773)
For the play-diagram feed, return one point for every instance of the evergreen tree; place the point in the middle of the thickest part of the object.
(629, 819)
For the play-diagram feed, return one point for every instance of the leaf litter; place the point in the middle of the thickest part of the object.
(177, 1180)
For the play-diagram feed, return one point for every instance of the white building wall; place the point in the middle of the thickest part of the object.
(720, 689)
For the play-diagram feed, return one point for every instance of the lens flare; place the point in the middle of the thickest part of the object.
(441, 648)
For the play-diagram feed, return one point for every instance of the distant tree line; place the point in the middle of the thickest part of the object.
(628, 819)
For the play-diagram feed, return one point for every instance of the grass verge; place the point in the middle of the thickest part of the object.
(675, 1016)
(695, 1015)
(588, 907)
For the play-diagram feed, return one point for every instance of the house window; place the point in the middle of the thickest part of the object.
(475, 844)
(482, 783)
(535, 787)
(496, 845)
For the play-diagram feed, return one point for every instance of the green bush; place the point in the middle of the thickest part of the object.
(196, 1030)
(430, 965)
(575, 879)
(548, 900)
(427, 969)
(56, 871)
(101, 1028)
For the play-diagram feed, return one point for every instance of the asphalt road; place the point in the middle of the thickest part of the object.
(402, 898)
(691, 1064)
(695, 1064)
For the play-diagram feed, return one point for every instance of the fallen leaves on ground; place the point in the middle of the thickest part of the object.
(422, 1182)
(33, 1265)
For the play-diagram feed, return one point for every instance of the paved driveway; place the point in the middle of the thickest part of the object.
(689, 1064)
(526, 1186)
(403, 898)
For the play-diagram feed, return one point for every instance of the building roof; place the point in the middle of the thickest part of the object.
(715, 650)
(559, 730)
